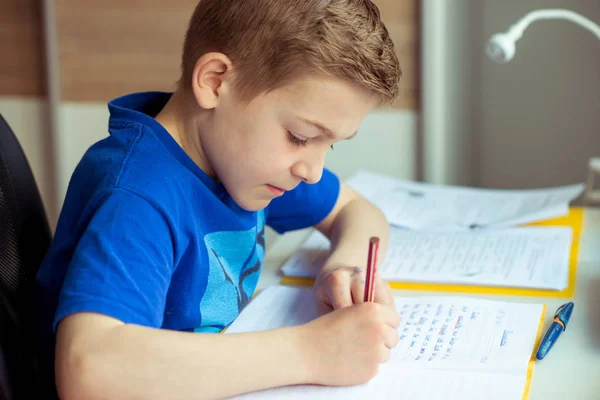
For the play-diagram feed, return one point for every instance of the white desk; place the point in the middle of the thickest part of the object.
(572, 368)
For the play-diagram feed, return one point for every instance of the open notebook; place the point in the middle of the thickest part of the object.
(450, 347)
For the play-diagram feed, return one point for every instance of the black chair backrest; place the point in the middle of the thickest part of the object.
(24, 240)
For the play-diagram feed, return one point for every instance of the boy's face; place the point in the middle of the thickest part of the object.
(261, 149)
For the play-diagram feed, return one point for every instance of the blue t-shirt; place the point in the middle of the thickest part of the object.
(145, 236)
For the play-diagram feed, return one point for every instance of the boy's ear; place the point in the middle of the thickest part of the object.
(210, 78)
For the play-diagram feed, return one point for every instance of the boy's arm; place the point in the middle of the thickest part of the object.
(99, 357)
(351, 223)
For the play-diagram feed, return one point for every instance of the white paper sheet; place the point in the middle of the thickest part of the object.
(422, 206)
(450, 347)
(406, 383)
(518, 257)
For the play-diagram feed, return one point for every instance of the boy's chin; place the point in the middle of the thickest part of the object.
(253, 204)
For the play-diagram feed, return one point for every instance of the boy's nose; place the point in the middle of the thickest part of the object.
(308, 172)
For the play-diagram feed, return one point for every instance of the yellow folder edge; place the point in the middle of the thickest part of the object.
(574, 220)
(533, 352)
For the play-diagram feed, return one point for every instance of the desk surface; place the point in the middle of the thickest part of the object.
(572, 368)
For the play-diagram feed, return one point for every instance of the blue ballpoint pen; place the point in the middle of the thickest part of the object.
(561, 319)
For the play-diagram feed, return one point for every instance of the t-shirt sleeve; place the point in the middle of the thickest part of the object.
(122, 265)
(305, 206)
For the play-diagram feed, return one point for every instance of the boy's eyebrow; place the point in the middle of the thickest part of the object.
(326, 131)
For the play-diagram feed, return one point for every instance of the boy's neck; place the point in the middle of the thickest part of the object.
(181, 121)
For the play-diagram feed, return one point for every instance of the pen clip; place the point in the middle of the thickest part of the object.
(562, 316)
(557, 313)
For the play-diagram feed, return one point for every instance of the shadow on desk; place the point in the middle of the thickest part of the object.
(593, 307)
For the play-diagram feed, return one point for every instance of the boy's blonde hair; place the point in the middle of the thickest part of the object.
(272, 42)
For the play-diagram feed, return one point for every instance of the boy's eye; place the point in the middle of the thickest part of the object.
(295, 140)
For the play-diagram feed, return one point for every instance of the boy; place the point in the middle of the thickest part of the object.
(163, 223)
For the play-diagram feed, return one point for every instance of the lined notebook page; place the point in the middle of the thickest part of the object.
(449, 347)
(519, 257)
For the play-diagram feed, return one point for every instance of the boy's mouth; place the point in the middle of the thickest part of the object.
(277, 191)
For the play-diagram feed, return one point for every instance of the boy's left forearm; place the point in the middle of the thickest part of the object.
(356, 222)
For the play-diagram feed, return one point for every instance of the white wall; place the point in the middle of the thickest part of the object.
(385, 144)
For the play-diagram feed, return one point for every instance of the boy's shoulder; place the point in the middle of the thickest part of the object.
(129, 153)
(135, 158)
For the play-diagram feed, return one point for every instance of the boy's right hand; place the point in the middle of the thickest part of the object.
(347, 345)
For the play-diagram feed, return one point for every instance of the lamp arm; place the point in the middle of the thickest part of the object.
(517, 29)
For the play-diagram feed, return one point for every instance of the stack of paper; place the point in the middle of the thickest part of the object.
(457, 235)
(422, 206)
(449, 348)
(518, 257)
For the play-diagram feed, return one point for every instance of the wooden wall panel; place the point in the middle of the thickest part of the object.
(111, 47)
(402, 18)
(22, 69)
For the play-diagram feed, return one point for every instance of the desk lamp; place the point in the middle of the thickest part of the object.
(501, 46)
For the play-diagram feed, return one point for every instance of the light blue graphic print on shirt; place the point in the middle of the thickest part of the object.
(235, 259)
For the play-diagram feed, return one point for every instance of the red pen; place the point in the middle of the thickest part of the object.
(371, 269)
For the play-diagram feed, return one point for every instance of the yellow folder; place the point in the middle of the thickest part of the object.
(532, 359)
(574, 219)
